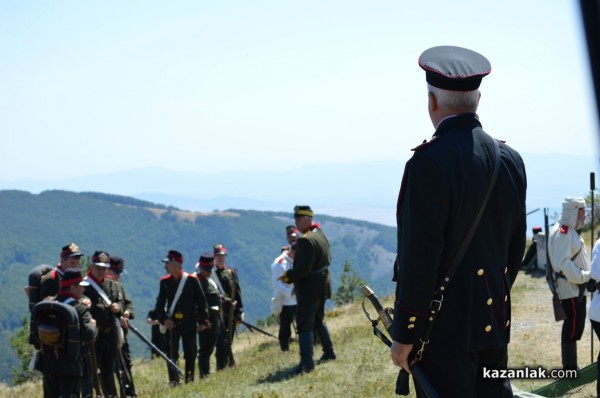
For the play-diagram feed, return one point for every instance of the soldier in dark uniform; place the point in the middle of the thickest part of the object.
(63, 373)
(310, 276)
(70, 257)
(183, 314)
(117, 267)
(227, 281)
(207, 339)
(106, 308)
(442, 190)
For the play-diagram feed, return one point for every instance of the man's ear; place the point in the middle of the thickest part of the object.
(432, 104)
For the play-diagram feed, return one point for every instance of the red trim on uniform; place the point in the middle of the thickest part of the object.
(94, 279)
(564, 229)
(165, 277)
(573, 323)
(409, 311)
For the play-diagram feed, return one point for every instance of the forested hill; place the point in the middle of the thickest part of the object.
(33, 228)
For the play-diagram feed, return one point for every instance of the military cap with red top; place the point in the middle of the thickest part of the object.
(173, 255)
(454, 68)
(70, 250)
(219, 250)
(206, 262)
(71, 277)
(101, 259)
(301, 211)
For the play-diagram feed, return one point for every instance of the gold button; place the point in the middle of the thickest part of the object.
(412, 319)
(505, 270)
(507, 323)
(488, 328)
(412, 325)
(489, 301)
(480, 272)
(505, 298)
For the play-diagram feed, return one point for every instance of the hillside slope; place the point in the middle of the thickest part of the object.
(34, 228)
(363, 367)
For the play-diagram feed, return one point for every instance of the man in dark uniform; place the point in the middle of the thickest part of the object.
(63, 372)
(116, 269)
(227, 281)
(70, 257)
(182, 310)
(207, 339)
(442, 190)
(106, 308)
(310, 276)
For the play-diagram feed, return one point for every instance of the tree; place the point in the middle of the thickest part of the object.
(20, 344)
(349, 288)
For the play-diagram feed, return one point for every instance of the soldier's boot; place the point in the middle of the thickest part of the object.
(327, 344)
(569, 355)
(204, 367)
(306, 365)
(190, 368)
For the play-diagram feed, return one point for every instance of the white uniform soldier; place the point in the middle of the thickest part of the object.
(571, 263)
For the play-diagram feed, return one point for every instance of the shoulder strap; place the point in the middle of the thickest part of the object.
(438, 297)
(100, 291)
(177, 294)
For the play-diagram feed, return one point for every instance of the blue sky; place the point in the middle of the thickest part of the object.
(95, 87)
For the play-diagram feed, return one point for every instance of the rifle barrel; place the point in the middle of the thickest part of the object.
(155, 348)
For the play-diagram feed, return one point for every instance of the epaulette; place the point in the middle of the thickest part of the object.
(564, 229)
(165, 277)
(425, 144)
(192, 275)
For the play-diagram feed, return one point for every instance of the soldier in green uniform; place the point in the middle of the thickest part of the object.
(70, 256)
(63, 372)
(227, 281)
(310, 276)
(117, 267)
(207, 339)
(181, 309)
(106, 308)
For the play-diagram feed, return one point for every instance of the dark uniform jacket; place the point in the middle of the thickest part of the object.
(311, 260)
(105, 320)
(228, 277)
(442, 189)
(190, 310)
(69, 364)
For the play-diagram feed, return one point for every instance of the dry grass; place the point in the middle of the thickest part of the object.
(363, 367)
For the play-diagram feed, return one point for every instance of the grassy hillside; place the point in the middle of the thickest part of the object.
(363, 367)
(34, 228)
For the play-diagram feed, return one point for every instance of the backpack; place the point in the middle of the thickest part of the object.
(34, 279)
(54, 327)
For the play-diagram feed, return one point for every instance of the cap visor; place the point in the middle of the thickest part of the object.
(84, 283)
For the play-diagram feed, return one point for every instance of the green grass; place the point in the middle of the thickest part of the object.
(363, 367)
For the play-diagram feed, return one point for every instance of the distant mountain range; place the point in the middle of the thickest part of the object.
(361, 190)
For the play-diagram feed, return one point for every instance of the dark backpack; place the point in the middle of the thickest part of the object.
(55, 326)
(34, 279)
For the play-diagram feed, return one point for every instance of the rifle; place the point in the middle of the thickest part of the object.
(155, 348)
(95, 370)
(385, 316)
(559, 311)
(592, 240)
(230, 323)
(252, 328)
(123, 375)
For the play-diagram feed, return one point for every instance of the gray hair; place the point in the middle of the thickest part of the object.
(455, 101)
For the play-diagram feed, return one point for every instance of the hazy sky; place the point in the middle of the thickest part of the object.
(94, 87)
